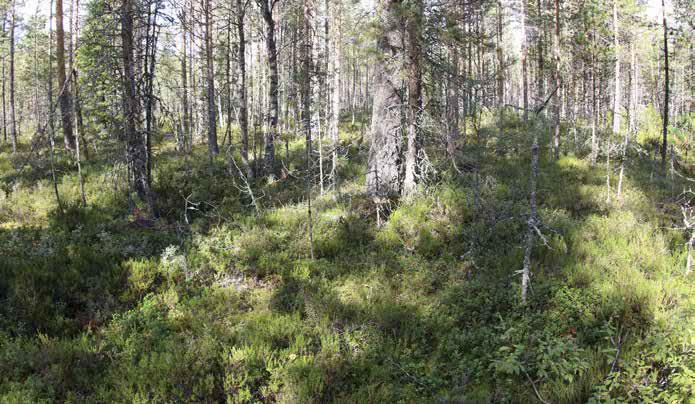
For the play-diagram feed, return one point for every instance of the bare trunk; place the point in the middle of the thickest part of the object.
(558, 82)
(307, 55)
(414, 75)
(453, 95)
(664, 143)
(241, 89)
(186, 141)
(51, 111)
(383, 175)
(135, 142)
(500, 70)
(271, 48)
(13, 116)
(213, 148)
(335, 55)
(64, 97)
(524, 57)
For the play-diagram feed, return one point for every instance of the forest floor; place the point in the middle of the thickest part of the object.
(216, 301)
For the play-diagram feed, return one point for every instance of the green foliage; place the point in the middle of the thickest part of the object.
(424, 308)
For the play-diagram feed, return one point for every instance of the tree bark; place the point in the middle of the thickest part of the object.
(558, 82)
(135, 143)
(13, 116)
(383, 174)
(4, 81)
(64, 97)
(271, 48)
(664, 144)
(524, 64)
(213, 148)
(186, 138)
(335, 55)
(306, 90)
(414, 77)
(241, 89)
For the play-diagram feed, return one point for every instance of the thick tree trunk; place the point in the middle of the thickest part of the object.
(135, 142)
(64, 97)
(414, 74)
(383, 175)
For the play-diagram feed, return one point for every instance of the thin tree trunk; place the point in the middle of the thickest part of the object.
(558, 82)
(500, 71)
(664, 144)
(541, 62)
(4, 81)
(271, 48)
(186, 138)
(51, 111)
(13, 117)
(594, 106)
(453, 110)
(524, 57)
(335, 55)
(213, 148)
(72, 45)
(241, 89)
(64, 97)
(306, 109)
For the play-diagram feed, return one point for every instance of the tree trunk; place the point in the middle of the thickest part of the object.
(307, 55)
(556, 72)
(541, 62)
(4, 81)
(616, 74)
(186, 140)
(64, 97)
(500, 70)
(524, 57)
(13, 116)
(213, 148)
(453, 96)
(594, 105)
(335, 74)
(664, 143)
(241, 89)
(135, 143)
(414, 77)
(271, 48)
(51, 111)
(383, 174)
